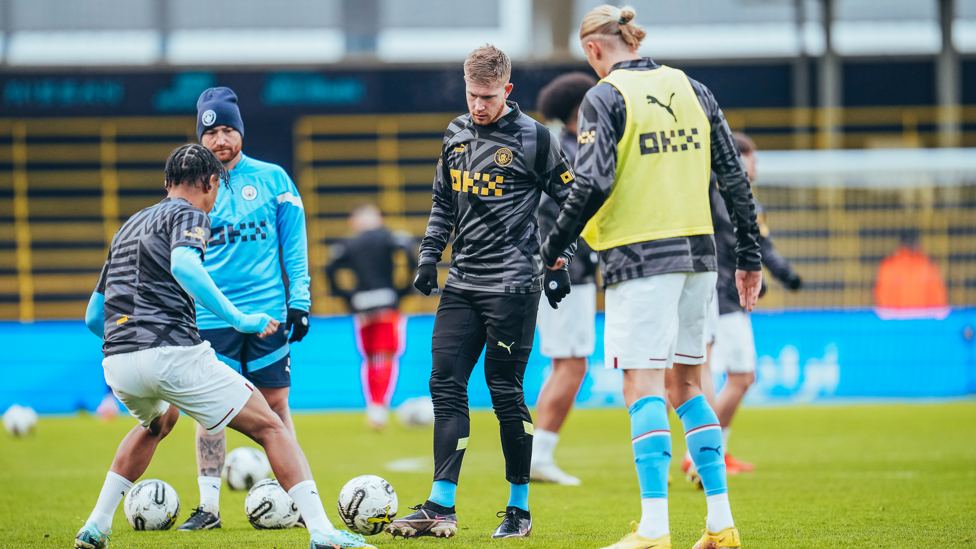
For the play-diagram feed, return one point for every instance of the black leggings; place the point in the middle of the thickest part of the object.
(467, 321)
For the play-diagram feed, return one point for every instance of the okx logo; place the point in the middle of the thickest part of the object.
(675, 140)
(468, 182)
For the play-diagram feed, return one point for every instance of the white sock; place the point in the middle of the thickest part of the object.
(210, 493)
(114, 489)
(726, 431)
(654, 518)
(543, 445)
(719, 513)
(306, 497)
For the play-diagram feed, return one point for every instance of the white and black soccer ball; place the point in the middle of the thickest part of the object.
(245, 467)
(152, 505)
(269, 507)
(20, 420)
(416, 412)
(367, 504)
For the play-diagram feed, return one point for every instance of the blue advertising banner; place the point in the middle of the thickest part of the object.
(55, 366)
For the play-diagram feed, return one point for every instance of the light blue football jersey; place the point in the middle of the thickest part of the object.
(261, 210)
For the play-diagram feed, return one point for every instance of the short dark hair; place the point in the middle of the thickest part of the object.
(193, 164)
(745, 143)
(561, 98)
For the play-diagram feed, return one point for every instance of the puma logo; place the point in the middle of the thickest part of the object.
(507, 347)
(385, 519)
(651, 100)
(716, 450)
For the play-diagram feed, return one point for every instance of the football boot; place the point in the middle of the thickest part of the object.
(734, 466)
(90, 537)
(341, 539)
(429, 519)
(729, 537)
(516, 523)
(690, 471)
(633, 540)
(550, 472)
(200, 519)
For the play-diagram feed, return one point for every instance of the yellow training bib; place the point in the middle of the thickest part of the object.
(663, 163)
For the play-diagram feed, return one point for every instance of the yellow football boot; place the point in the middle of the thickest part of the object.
(728, 537)
(633, 540)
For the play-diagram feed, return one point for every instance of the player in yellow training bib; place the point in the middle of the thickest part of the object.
(649, 137)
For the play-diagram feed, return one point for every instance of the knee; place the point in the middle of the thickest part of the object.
(742, 382)
(163, 425)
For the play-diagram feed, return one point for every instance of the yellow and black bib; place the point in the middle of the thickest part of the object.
(663, 163)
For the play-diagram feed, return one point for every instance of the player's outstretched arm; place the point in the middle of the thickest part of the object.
(95, 315)
(596, 166)
(188, 270)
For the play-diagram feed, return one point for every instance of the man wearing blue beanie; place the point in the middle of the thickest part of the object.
(261, 212)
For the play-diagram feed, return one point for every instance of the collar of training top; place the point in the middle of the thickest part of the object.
(503, 121)
(636, 64)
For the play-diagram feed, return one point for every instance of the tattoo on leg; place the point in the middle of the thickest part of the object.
(211, 451)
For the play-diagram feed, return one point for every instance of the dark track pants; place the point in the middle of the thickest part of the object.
(466, 322)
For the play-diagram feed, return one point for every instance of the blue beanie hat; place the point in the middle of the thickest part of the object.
(218, 107)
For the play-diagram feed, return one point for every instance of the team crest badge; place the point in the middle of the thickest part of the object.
(249, 192)
(504, 156)
(208, 118)
(198, 234)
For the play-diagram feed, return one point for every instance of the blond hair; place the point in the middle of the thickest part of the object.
(607, 20)
(488, 65)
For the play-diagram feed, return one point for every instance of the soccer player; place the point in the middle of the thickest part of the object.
(371, 255)
(566, 335)
(156, 362)
(494, 165)
(258, 215)
(734, 349)
(649, 137)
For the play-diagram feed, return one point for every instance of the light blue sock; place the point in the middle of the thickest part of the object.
(704, 436)
(443, 492)
(519, 496)
(651, 438)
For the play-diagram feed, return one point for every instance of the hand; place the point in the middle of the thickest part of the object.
(297, 324)
(426, 280)
(556, 286)
(560, 263)
(257, 324)
(794, 282)
(271, 328)
(748, 283)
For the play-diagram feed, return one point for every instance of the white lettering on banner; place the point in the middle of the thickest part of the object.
(374, 299)
(782, 377)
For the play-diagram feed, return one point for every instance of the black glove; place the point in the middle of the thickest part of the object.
(556, 286)
(297, 319)
(763, 288)
(426, 280)
(794, 282)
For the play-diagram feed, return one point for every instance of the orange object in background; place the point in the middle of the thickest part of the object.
(910, 284)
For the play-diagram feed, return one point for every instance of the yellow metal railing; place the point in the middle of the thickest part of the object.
(71, 180)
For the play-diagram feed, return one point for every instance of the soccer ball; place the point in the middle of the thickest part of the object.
(19, 420)
(367, 504)
(152, 505)
(245, 467)
(417, 412)
(269, 507)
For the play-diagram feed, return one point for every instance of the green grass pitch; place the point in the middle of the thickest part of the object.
(826, 476)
